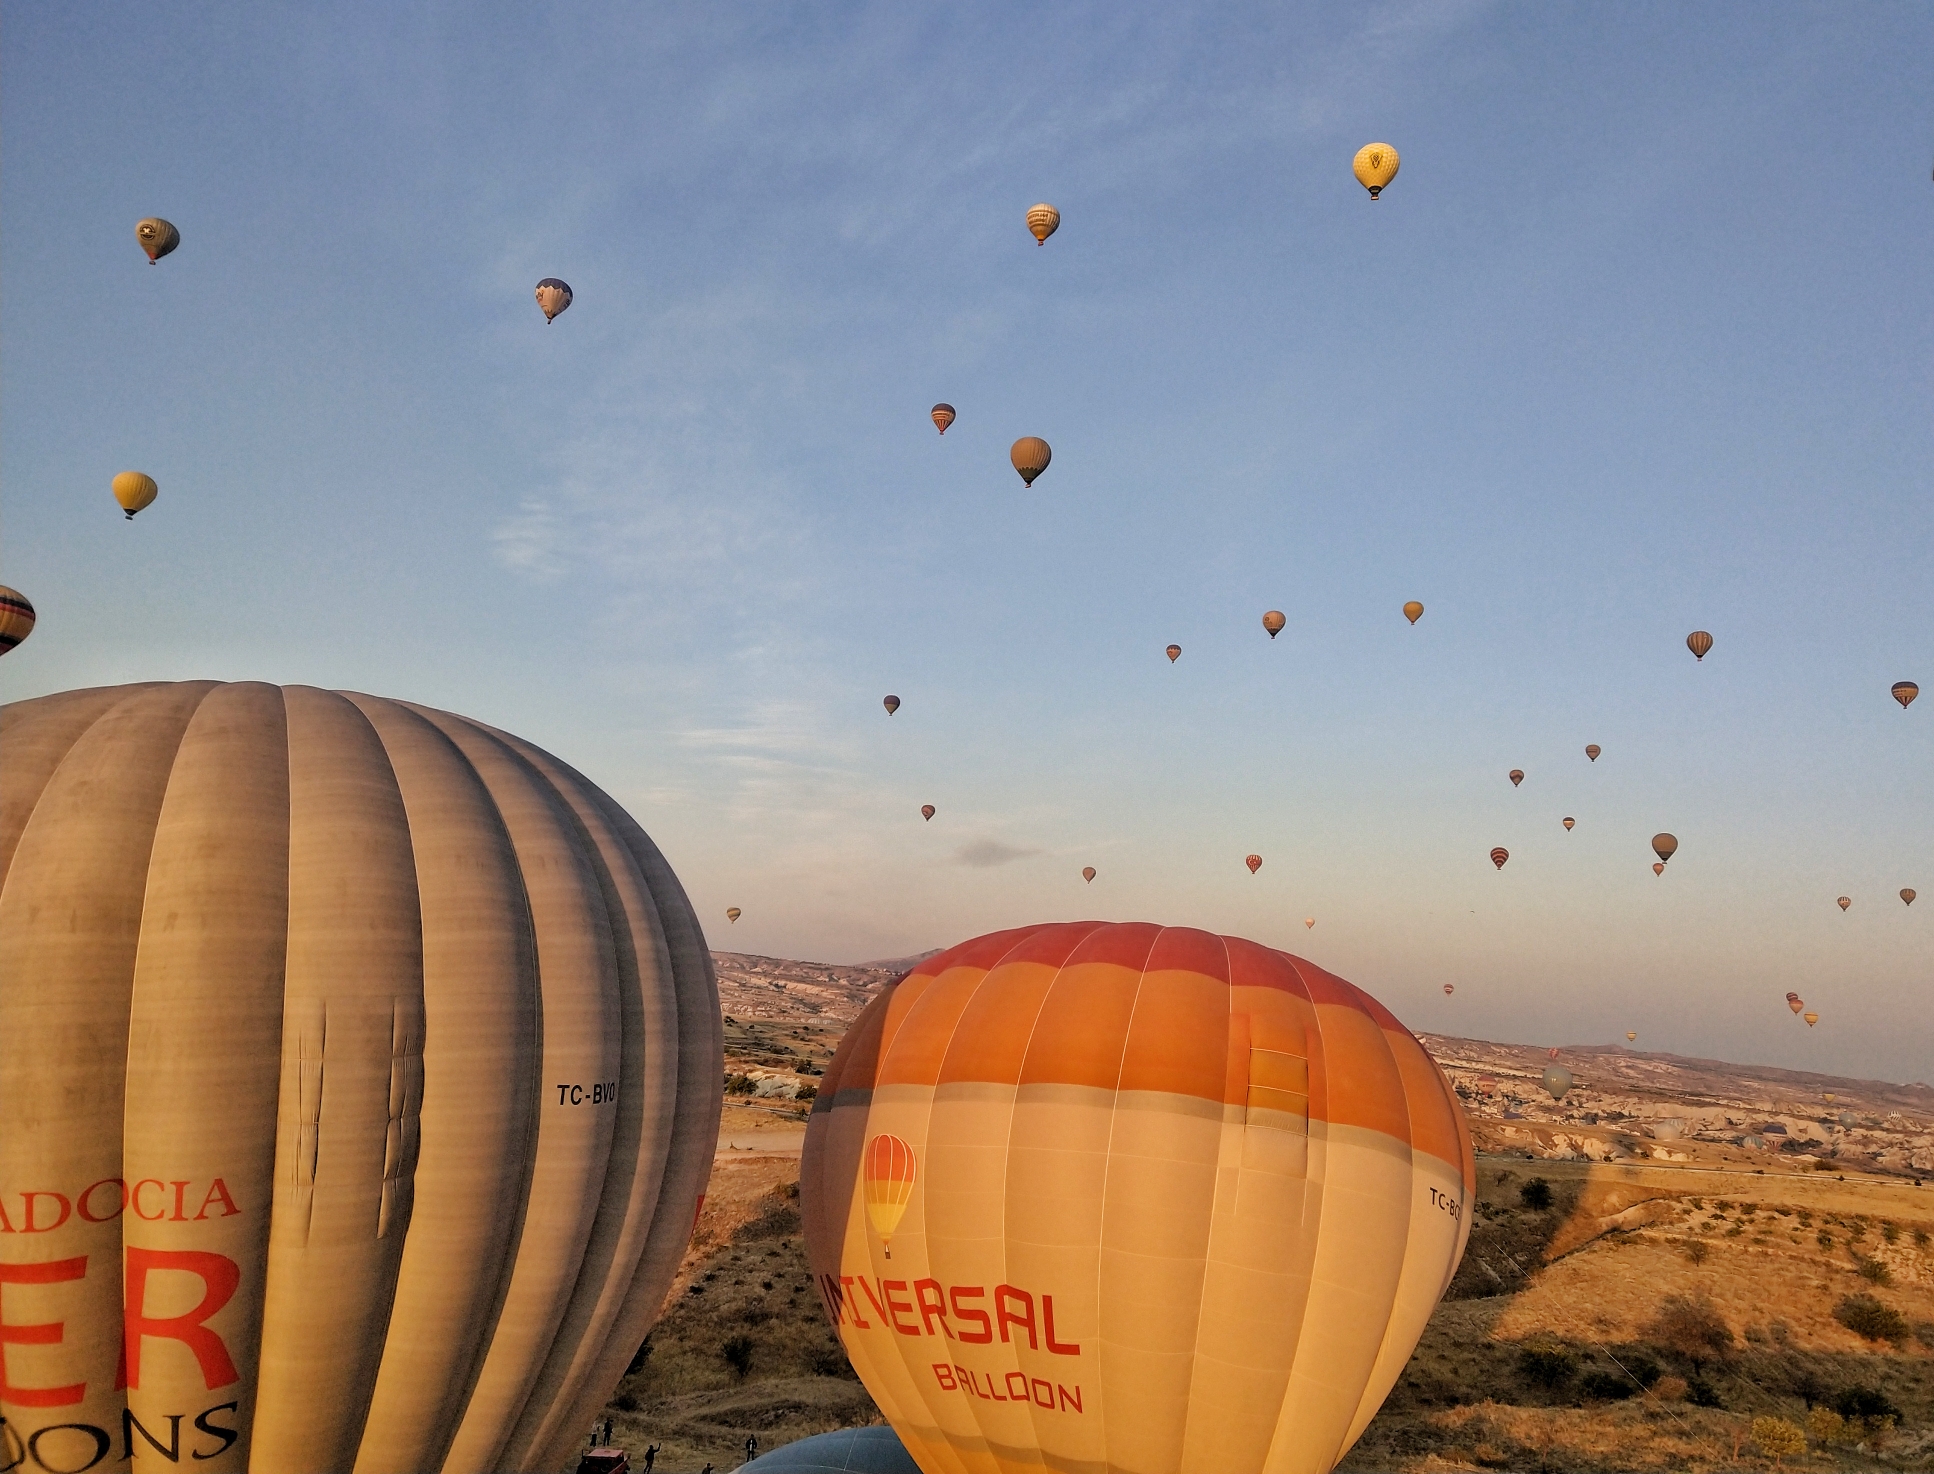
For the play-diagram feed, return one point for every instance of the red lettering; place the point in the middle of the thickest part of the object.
(1012, 1395)
(847, 1280)
(1043, 1394)
(1068, 1397)
(964, 1313)
(928, 1310)
(134, 1198)
(1047, 1325)
(47, 1333)
(120, 1200)
(218, 1192)
(219, 1276)
(944, 1375)
(894, 1307)
(878, 1309)
(5, 1225)
(180, 1214)
(1005, 1293)
(835, 1298)
(992, 1394)
(29, 1226)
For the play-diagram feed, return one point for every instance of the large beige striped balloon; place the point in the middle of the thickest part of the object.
(1118, 1198)
(361, 1077)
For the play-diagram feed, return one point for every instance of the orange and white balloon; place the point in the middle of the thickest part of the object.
(1114, 1157)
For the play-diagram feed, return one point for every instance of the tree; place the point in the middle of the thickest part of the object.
(1778, 1439)
(1692, 1326)
(1535, 1195)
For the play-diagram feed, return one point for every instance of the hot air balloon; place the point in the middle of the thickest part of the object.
(1848, 1120)
(17, 619)
(1658, 867)
(133, 491)
(1827, 1096)
(1907, 892)
(1905, 692)
(1413, 611)
(1042, 222)
(926, 811)
(1844, 902)
(157, 237)
(1631, 1035)
(1118, 1138)
(1088, 874)
(1794, 1002)
(553, 296)
(1375, 166)
(1254, 862)
(1174, 653)
(943, 416)
(1517, 776)
(363, 1073)
(1811, 1019)
(1309, 923)
(1273, 621)
(1556, 1081)
(1553, 1052)
(1664, 846)
(1568, 822)
(887, 1172)
(1698, 642)
(733, 913)
(1449, 988)
(1499, 856)
(1592, 750)
(1030, 456)
(892, 704)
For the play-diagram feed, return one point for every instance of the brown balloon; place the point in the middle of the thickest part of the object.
(1273, 621)
(1795, 1002)
(892, 704)
(1844, 902)
(926, 811)
(1592, 750)
(1030, 456)
(1174, 653)
(1413, 611)
(1698, 642)
(1517, 776)
(1254, 862)
(1449, 988)
(1568, 823)
(1499, 856)
(1088, 874)
(1905, 692)
(1658, 867)
(1310, 922)
(1664, 846)
(943, 416)
(1907, 895)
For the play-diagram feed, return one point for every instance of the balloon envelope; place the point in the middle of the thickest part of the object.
(1664, 846)
(553, 296)
(16, 618)
(733, 913)
(1088, 873)
(1698, 642)
(1254, 862)
(1043, 221)
(1413, 611)
(1174, 653)
(1517, 776)
(1449, 988)
(1844, 902)
(1309, 923)
(1907, 892)
(1794, 1002)
(1812, 1019)
(892, 704)
(1630, 1035)
(926, 811)
(1569, 822)
(1273, 621)
(1592, 750)
(1658, 867)
(1135, 1152)
(383, 1066)
(943, 416)
(1905, 692)
(1030, 455)
(1556, 1081)
(157, 237)
(1375, 166)
(1499, 856)
(134, 491)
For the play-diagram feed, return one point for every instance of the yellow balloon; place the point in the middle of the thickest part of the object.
(1042, 222)
(733, 913)
(1375, 166)
(1054, 1173)
(362, 1076)
(133, 491)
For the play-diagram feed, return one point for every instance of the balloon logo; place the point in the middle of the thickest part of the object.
(1568, 822)
(1844, 902)
(1517, 776)
(1254, 862)
(943, 416)
(887, 1177)
(892, 704)
(1413, 611)
(157, 238)
(16, 618)
(1499, 856)
(133, 491)
(1030, 455)
(1174, 653)
(926, 811)
(1273, 621)
(1592, 750)
(553, 296)
(1375, 166)
(1698, 642)
(1043, 221)
(1811, 1020)
(1088, 874)
(1793, 1001)
(1905, 692)
(1907, 893)
(733, 913)
(1664, 846)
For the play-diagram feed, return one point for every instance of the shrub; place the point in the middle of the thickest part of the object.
(807, 1092)
(1535, 1195)
(1670, 1389)
(740, 1085)
(1826, 1425)
(1692, 1326)
(1701, 1393)
(1868, 1317)
(1890, 1232)
(1607, 1386)
(1920, 1238)
(1807, 1386)
(1698, 1251)
(1869, 1404)
(1826, 1239)
(1876, 1271)
(1547, 1368)
(737, 1351)
(1778, 1439)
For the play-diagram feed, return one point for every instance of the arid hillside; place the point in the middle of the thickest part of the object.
(1677, 1252)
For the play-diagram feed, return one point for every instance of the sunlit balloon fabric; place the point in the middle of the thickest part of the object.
(135, 491)
(1042, 221)
(368, 1056)
(1413, 611)
(16, 618)
(1375, 165)
(1030, 455)
(1592, 750)
(1904, 692)
(1177, 1202)
(553, 296)
(943, 416)
(157, 237)
(1699, 642)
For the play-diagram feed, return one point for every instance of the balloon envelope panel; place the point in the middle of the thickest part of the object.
(368, 1056)
(1174, 1202)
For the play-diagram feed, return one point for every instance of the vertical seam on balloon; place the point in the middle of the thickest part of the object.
(1314, 1195)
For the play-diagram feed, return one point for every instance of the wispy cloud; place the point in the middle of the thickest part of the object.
(985, 854)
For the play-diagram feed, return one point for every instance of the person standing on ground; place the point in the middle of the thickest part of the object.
(751, 1447)
(651, 1457)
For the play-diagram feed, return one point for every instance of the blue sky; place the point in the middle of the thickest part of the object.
(1637, 343)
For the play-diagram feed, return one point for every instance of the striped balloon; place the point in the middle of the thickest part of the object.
(1043, 221)
(16, 618)
(1182, 1201)
(362, 1061)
